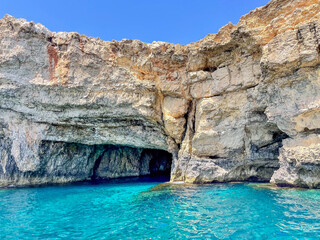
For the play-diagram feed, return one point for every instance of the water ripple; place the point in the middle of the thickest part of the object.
(146, 210)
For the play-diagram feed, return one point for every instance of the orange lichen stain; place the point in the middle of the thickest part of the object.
(143, 74)
(53, 60)
(123, 61)
(63, 72)
(163, 48)
(171, 77)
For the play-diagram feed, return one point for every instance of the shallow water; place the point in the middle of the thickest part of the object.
(142, 210)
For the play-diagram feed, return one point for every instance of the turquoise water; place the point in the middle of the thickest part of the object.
(133, 210)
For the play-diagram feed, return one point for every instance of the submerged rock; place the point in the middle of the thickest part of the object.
(74, 108)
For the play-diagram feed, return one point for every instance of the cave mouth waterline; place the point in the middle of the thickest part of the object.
(58, 162)
(125, 162)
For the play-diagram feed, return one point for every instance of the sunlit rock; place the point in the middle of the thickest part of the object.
(222, 107)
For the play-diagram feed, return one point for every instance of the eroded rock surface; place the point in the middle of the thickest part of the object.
(299, 162)
(74, 107)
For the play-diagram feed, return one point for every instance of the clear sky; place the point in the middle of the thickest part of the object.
(175, 21)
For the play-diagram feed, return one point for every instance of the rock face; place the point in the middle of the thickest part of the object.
(299, 163)
(239, 105)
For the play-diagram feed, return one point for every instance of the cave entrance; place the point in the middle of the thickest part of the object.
(122, 161)
(160, 162)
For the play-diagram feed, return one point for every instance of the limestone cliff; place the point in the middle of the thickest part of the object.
(242, 104)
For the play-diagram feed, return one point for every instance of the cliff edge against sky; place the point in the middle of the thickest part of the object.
(239, 105)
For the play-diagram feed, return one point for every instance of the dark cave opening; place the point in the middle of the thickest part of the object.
(160, 162)
(209, 69)
(61, 162)
(122, 161)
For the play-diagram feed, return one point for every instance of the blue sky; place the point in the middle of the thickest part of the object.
(175, 21)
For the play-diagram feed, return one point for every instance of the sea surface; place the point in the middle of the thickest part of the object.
(145, 208)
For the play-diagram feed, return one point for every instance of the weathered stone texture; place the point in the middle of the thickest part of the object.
(299, 162)
(224, 106)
